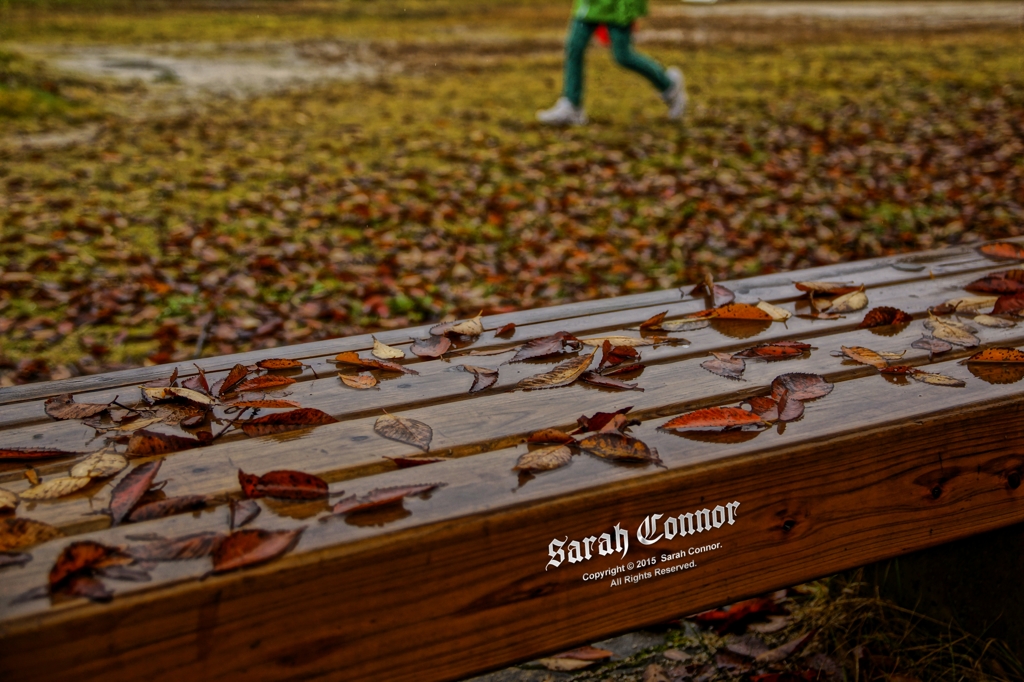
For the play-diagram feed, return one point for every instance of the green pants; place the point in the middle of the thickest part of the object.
(622, 49)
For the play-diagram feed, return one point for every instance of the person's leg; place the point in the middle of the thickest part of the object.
(575, 51)
(627, 57)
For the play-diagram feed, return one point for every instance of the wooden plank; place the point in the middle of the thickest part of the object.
(769, 287)
(461, 582)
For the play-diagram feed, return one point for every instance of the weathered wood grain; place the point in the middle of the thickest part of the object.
(463, 582)
(768, 287)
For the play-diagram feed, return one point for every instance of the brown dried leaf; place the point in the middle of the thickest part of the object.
(54, 488)
(883, 316)
(64, 407)
(776, 350)
(21, 533)
(410, 462)
(599, 420)
(556, 344)
(386, 352)
(234, 377)
(864, 356)
(404, 430)
(263, 383)
(8, 501)
(786, 650)
(381, 497)
(352, 358)
(361, 381)
(790, 408)
(952, 332)
(544, 459)
(562, 375)
(801, 386)
(715, 418)
(145, 443)
(197, 382)
(609, 382)
(33, 454)
(930, 378)
(627, 341)
(168, 507)
(99, 465)
(483, 377)
(1010, 303)
(506, 331)
(194, 546)
(130, 489)
(473, 327)
(654, 323)
(283, 484)
(725, 365)
(851, 302)
(997, 355)
(617, 447)
(80, 559)
(431, 347)
(550, 436)
(245, 548)
(281, 422)
(159, 383)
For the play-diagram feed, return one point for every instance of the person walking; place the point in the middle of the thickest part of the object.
(618, 17)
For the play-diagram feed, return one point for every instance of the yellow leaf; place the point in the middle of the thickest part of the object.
(848, 303)
(544, 459)
(865, 356)
(777, 314)
(55, 487)
(99, 465)
(386, 352)
(474, 327)
(971, 304)
(937, 379)
(952, 332)
(996, 322)
(171, 392)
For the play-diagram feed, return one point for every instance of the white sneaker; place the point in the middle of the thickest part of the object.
(564, 113)
(675, 96)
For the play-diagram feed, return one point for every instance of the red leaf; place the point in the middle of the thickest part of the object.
(194, 546)
(168, 507)
(263, 383)
(130, 489)
(352, 358)
(506, 331)
(1005, 282)
(801, 386)
(1002, 251)
(381, 497)
(550, 436)
(1010, 303)
(276, 403)
(713, 418)
(33, 454)
(410, 462)
(764, 406)
(283, 484)
(234, 377)
(736, 616)
(144, 443)
(81, 558)
(246, 548)
(597, 422)
(898, 370)
(556, 344)
(883, 316)
(286, 421)
(772, 351)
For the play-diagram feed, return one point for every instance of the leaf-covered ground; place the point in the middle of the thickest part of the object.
(166, 226)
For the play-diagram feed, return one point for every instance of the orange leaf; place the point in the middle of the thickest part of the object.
(654, 323)
(1002, 251)
(997, 355)
(234, 377)
(550, 436)
(507, 330)
(741, 311)
(262, 383)
(279, 363)
(713, 418)
(32, 454)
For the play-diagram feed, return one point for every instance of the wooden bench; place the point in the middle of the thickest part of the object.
(473, 575)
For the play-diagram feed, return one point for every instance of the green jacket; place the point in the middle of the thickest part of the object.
(619, 12)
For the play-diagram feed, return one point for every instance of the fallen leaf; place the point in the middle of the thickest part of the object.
(431, 347)
(654, 323)
(599, 420)
(278, 364)
(234, 377)
(725, 365)
(774, 624)
(158, 383)
(381, 497)
(556, 344)
(152, 395)
(281, 422)
(716, 418)
(168, 507)
(81, 558)
(616, 355)
(194, 546)
(898, 370)
(953, 333)
(14, 559)
(617, 447)
(993, 322)
(386, 352)
(8, 501)
(33, 454)
(550, 436)
(821, 316)
(352, 358)
(786, 650)
(618, 424)
(585, 653)
(263, 383)
(21, 533)
(969, 304)
(64, 407)
(932, 345)
(736, 615)
(197, 382)
(625, 341)
(360, 381)
(930, 378)
(473, 327)
(685, 325)
(1002, 251)
(996, 355)
(741, 311)
(749, 646)
(1010, 303)
(130, 489)
(145, 443)
(283, 484)
(544, 459)
(623, 369)
(848, 303)
(245, 548)
(563, 664)
(777, 350)
(562, 375)
(997, 283)
(410, 462)
(609, 382)
(775, 312)
(242, 512)
(99, 465)
(790, 408)
(483, 377)
(275, 403)
(766, 407)
(31, 475)
(883, 316)
(864, 356)
(404, 430)
(506, 331)
(54, 488)
(801, 386)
